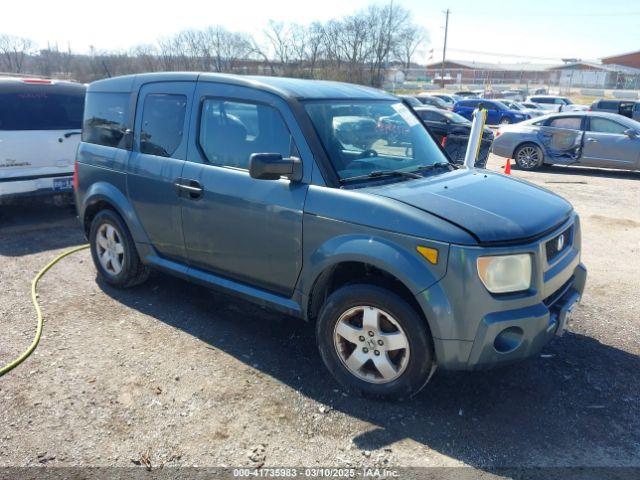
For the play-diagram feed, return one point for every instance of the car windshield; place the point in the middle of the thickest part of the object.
(368, 137)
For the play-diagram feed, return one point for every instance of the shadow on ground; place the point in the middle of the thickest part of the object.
(575, 405)
(36, 226)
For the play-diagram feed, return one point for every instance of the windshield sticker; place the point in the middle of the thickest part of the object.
(406, 115)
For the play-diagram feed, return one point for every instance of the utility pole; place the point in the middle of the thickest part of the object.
(444, 49)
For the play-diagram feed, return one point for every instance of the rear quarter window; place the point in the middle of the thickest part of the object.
(39, 109)
(106, 119)
(608, 104)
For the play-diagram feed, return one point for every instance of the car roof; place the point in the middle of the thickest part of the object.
(282, 86)
(430, 109)
(22, 84)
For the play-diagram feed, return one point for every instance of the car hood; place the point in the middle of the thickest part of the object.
(492, 207)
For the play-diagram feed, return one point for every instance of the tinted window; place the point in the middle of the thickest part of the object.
(430, 116)
(469, 103)
(162, 124)
(542, 100)
(106, 119)
(231, 131)
(573, 123)
(41, 110)
(604, 125)
(608, 104)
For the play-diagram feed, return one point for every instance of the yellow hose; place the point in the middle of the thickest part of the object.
(34, 298)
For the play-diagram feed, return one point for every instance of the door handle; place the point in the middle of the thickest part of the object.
(189, 188)
(592, 140)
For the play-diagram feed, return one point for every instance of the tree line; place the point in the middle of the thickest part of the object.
(357, 48)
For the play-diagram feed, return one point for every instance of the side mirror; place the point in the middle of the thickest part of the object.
(271, 166)
(631, 133)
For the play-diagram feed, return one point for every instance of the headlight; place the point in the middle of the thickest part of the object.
(505, 273)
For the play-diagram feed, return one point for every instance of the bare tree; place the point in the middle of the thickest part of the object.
(408, 41)
(14, 51)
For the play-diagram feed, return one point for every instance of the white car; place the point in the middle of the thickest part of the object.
(552, 103)
(40, 128)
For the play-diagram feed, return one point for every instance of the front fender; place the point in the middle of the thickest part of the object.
(106, 192)
(398, 258)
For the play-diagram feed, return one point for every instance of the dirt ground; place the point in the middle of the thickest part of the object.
(173, 374)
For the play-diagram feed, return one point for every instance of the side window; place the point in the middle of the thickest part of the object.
(162, 124)
(572, 123)
(430, 116)
(106, 119)
(230, 132)
(604, 125)
(542, 100)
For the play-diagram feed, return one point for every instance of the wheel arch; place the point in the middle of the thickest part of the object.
(102, 195)
(526, 142)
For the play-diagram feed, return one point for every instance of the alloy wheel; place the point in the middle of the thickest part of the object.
(110, 249)
(528, 157)
(371, 344)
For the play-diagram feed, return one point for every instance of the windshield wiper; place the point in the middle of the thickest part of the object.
(433, 166)
(381, 173)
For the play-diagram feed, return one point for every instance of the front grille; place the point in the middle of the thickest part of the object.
(557, 295)
(558, 244)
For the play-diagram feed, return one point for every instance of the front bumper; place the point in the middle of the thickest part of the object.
(513, 335)
(473, 329)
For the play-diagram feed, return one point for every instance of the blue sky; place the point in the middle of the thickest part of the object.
(546, 29)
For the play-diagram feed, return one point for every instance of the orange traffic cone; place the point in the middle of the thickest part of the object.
(443, 142)
(507, 167)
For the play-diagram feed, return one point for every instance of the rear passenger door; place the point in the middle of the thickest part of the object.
(159, 152)
(238, 227)
(561, 138)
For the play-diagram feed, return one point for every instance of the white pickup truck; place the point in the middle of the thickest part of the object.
(40, 127)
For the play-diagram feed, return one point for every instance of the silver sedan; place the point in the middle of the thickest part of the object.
(593, 139)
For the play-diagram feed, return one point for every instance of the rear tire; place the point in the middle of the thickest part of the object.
(374, 343)
(528, 156)
(114, 252)
(505, 121)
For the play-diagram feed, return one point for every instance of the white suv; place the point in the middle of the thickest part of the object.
(556, 104)
(40, 126)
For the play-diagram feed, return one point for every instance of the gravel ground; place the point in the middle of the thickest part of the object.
(170, 373)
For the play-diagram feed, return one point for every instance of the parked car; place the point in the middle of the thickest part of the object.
(556, 104)
(452, 132)
(593, 139)
(497, 112)
(432, 101)
(515, 94)
(622, 107)
(410, 100)
(40, 122)
(401, 260)
(449, 99)
(519, 107)
(467, 94)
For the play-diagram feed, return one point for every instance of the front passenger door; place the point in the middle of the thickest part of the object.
(241, 228)
(607, 146)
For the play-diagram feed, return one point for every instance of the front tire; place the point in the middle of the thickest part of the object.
(528, 156)
(113, 251)
(374, 343)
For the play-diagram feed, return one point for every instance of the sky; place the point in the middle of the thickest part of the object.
(509, 31)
